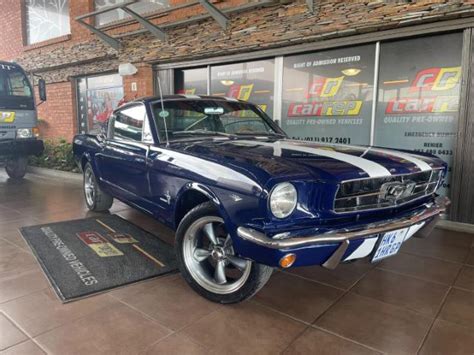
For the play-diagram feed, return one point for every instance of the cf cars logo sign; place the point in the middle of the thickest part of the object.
(393, 191)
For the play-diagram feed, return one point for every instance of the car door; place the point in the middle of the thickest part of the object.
(123, 157)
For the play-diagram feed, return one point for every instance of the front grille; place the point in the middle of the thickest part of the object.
(391, 191)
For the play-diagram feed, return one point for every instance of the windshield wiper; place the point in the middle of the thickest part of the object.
(202, 132)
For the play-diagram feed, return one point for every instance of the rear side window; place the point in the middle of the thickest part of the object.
(128, 123)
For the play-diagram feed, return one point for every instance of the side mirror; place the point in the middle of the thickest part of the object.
(42, 89)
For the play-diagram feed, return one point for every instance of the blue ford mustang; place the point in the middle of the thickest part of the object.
(244, 199)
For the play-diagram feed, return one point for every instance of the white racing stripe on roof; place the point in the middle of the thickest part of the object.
(371, 168)
(421, 164)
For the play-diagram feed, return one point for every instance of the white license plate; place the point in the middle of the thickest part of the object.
(390, 244)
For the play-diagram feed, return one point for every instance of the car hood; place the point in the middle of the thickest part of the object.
(263, 159)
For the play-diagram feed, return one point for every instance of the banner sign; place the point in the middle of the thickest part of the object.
(418, 101)
(327, 96)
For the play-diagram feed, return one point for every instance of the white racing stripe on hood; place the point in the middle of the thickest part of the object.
(371, 168)
(421, 164)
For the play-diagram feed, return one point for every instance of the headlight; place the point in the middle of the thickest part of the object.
(283, 199)
(24, 133)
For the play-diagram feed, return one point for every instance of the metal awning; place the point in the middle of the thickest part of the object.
(220, 16)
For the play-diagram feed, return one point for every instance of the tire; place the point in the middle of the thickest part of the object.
(16, 167)
(199, 259)
(96, 199)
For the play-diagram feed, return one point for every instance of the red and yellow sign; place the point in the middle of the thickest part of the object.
(99, 244)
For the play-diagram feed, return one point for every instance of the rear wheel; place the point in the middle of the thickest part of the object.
(16, 167)
(96, 199)
(207, 260)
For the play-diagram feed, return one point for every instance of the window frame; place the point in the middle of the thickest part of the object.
(145, 129)
(24, 27)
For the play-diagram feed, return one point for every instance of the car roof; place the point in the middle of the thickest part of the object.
(151, 99)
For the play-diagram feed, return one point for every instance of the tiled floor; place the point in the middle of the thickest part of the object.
(419, 301)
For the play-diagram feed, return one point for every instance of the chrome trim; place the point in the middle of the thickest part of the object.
(381, 208)
(432, 210)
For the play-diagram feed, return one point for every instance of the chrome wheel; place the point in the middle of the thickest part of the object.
(210, 259)
(89, 187)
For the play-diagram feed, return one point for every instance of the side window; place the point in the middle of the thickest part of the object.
(128, 123)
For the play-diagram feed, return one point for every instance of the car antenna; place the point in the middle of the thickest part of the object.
(162, 114)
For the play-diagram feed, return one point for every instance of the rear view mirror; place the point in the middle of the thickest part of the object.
(42, 89)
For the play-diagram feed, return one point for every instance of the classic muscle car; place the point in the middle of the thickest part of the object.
(244, 199)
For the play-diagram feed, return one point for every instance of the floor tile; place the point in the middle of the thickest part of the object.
(9, 333)
(459, 308)
(377, 324)
(18, 283)
(315, 341)
(170, 301)
(13, 257)
(343, 277)
(405, 291)
(42, 311)
(26, 348)
(14, 237)
(466, 278)
(449, 237)
(425, 268)
(448, 338)
(436, 249)
(312, 298)
(470, 258)
(177, 344)
(115, 329)
(245, 328)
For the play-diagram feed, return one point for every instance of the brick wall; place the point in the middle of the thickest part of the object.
(11, 39)
(57, 114)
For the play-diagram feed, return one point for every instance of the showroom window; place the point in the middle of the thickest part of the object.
(249, 81)
(191, 81)
(327, 96)
(46, 19)
(142, 7)
(98, 96)
(418, 96)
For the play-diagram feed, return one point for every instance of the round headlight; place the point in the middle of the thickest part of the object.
(283, 199)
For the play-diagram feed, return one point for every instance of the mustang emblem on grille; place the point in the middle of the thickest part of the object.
(396, 190)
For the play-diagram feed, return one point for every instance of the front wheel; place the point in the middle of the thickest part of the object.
(96, 199)
(16, 167)
(207, 260)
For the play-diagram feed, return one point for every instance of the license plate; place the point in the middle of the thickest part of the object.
(390, 244)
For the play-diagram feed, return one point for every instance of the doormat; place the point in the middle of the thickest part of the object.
(87, 256)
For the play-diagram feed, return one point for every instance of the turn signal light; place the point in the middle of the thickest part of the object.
(287, 260)
(36, 132)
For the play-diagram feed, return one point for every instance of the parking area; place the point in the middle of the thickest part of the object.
(420, 301)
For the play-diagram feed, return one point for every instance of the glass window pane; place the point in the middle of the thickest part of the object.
(191, 81)
(129, 122)
(418, 99)
(46, 19)
(250, 81)
(98, 96)
(141, 7)
(327, 96)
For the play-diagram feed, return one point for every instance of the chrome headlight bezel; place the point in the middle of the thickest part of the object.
(283, 200)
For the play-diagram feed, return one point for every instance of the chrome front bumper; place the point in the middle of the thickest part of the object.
(283, 241)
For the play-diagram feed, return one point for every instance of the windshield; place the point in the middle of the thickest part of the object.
(185, 118)
(15, 89)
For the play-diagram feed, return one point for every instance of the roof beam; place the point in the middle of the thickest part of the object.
(114, 43)
(155, 30)
(217, 14)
